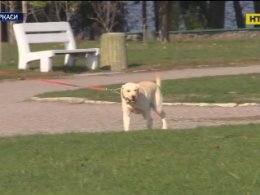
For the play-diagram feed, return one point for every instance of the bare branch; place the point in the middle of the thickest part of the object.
(105, 13)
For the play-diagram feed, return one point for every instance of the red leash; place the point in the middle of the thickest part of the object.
(6, 73)
(57, 82)
(98, 88)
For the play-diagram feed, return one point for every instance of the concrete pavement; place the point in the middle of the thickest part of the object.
(19, 116)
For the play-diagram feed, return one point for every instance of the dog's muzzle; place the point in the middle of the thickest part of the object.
(132, 100)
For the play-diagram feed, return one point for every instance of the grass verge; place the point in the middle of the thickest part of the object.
(222, 160)
(218, 89)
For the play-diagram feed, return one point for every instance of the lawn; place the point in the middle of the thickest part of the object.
(197, 53)
(216, 89)
(152, 55)
(219, 160)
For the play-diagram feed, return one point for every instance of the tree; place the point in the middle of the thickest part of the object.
(257, 6)
(216, 13)
(156, 15)
(194, 14)
(25, 10)
(257, 9)
(0, 36)
(164, 18)
(144, 20)
(12, 5)
(106, 13)
(239, 15)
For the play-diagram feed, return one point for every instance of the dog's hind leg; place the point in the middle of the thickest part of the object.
(157, 105)
(149, 120)
(162, 115)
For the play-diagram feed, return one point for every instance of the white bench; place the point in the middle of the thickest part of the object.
(50, 32)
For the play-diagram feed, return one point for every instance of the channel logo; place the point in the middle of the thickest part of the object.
(253, 19)
(11, 17)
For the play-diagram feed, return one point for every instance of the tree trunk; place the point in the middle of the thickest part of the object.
(239, 15)
(1, 49)
(144, 21)
(216, 14)
(12, 8)
(164, 12)
(156, 15)
(113, 51)
(257, 9)
(257, 6)
(4, 25)
(25, 10)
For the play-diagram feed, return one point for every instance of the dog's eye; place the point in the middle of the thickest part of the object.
(128, 91)
(136, 89)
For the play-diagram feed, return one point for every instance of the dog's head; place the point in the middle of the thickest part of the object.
(130, 92)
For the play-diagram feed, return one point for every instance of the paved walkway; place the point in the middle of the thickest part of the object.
(19, 116)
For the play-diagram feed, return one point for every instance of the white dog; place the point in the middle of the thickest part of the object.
(140, 98)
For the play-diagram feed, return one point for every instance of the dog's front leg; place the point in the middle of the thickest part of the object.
(126, 119)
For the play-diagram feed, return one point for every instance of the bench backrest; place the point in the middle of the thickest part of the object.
(44, 32)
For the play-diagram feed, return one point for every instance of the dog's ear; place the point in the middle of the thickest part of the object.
(138, 90)
(121, 90)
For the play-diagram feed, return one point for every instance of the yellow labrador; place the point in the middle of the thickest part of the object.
(141, 98)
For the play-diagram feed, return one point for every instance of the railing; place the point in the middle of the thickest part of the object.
(202, 31)
(213, 30)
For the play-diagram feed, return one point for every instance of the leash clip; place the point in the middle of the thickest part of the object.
(114, 90)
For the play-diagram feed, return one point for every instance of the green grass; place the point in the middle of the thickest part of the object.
(10, 62)
(194, 53)
(154, 55)
(218, 89)
(222, 160)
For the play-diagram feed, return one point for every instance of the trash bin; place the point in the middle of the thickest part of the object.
(113, 54)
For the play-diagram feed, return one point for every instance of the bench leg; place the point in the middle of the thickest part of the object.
(46, 64)
(91, 61)
(69, 60)
(23, 64)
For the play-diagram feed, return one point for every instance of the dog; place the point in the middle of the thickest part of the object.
(141, 98)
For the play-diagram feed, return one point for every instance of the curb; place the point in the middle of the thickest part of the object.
(225, 105)
(73, 100)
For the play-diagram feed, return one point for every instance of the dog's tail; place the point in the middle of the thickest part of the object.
(158, 80)
(158, 95)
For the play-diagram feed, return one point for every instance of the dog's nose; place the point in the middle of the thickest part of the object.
(133, 97)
